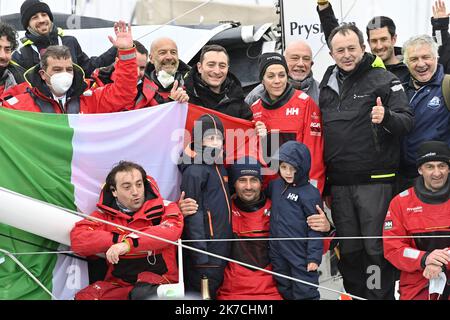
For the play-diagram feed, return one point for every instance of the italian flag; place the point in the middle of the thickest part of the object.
(64, 159)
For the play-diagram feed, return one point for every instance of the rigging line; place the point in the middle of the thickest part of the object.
(175, 243)
(211, 254)
(318, 238)
(40, 246)
(176, 18)
(39, 253)
(343, 18)
(28, 272)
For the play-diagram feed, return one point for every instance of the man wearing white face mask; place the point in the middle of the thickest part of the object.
(163, 79)
(58, 86)
(422, 211)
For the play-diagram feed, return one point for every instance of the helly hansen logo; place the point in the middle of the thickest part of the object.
(388, 225)
(293, 197)
(292, 112)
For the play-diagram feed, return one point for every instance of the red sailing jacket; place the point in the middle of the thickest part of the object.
(242, 283)
(408, 215)
(113, 97)
(149, 260)
(299, 119)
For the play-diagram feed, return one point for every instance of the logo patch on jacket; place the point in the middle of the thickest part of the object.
(388, 225)
(292, 196)
(315, 129)
(418, 209)
(434, 103)
(292, 112)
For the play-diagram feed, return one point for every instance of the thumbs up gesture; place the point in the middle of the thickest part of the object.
(378, 112)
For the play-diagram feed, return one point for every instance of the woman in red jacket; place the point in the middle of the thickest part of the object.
(289, 114)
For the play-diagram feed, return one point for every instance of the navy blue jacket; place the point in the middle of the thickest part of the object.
(206, 184)
(291, 205)
(431, 119)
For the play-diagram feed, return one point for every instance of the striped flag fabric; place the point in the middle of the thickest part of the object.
(64, 159)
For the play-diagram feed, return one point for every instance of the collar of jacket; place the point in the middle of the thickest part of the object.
(104, 75)
(194, 154)
(281, 101)
(368, 62)
(304, 84)
(108, 203)
(436, 79)
(40, 40)
(35, 81)
(230, 89)
(250, 207)
(430, 197)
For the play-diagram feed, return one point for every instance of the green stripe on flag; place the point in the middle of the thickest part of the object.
(35, 161)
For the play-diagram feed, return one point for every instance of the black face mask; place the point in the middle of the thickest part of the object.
(212, 155)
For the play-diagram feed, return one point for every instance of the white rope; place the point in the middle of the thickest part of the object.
(41, 252)
(205, 252)
(27, 272)
(176, 18)
(318, 238)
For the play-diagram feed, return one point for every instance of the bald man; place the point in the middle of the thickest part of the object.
(298, 56)
(164, 76)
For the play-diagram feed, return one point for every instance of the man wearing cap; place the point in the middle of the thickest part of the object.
(37, 20)
(250, 219)
(422, 210)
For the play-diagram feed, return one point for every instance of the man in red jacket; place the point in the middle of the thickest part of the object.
(422, 210)
(137, 264)
(58, 86)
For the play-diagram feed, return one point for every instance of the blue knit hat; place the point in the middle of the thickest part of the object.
(246, 166)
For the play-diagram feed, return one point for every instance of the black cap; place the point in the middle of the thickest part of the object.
(207, 124)
(246, 166)
(269, 58)
(433, 151)
(30, 7)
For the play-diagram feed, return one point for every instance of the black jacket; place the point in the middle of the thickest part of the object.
(27, 57)
(442, 37)
(329, 22)
(206, 182)
(229, 101)
(357, 151)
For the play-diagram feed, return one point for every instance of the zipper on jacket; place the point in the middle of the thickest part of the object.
(211, 231)
(224, 193)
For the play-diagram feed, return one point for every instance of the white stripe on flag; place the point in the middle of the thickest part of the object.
(152, 137)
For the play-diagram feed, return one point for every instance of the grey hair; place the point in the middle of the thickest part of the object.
(419, 40)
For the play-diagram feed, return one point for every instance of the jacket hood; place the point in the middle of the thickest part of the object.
(107, 202)
(34, 79)
(195, 152)
(296, 154)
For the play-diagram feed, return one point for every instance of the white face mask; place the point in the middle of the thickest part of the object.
(166, 79)
(437, 285)
(61, 82)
